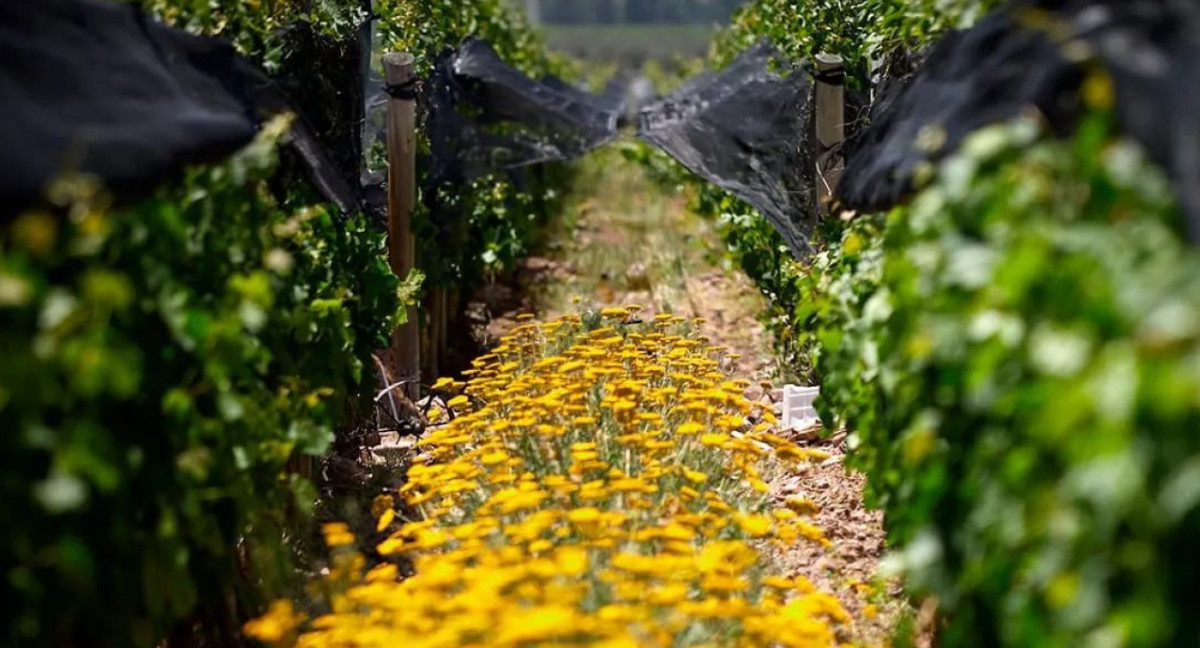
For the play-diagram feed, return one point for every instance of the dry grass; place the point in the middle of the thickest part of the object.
(626, 240)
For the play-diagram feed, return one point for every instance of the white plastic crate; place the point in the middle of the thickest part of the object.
(798, 410)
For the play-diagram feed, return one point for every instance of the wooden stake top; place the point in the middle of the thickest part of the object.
(398, 67)
(827, 62)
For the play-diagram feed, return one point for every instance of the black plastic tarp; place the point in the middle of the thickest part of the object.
(745, 129)
(1009, 63)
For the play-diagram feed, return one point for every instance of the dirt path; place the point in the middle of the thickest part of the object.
(626, 241)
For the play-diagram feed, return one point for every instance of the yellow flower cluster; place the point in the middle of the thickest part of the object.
(602, 485)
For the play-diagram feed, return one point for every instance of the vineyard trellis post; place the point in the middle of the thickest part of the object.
(402, 198)
(830, 125)
(442, 320)
(435, 334)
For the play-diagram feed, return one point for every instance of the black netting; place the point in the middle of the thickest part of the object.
(97, 87)
(1008, 63)
(745, 129)
(324, 79)
(485, 116)
(482, 116)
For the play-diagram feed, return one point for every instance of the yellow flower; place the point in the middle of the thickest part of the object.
(385, 520)
(494, 458)
(724, 584)
(755, 526)
(801, 506)
(668, 595)
(715, 439)
(583, 515)
(580, 466)
(727, 556)
(279, 621)
(628, 485)
(574, 365)
(540, 624)
(383, 573)
(572, 561)
(337, 534)
(778, 582)
(678, 532)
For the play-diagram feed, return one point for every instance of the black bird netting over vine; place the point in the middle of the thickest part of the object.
(1010, 62)
(98, 87)
(484, 116)
(95, 87)
(743, 129)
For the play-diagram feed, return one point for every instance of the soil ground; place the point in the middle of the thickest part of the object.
(627, 241)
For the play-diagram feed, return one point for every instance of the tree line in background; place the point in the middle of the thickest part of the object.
(581, 12)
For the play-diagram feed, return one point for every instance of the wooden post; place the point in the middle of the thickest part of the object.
(402, 200)
(831, 125)
(302, 465)
(431, 367)
(443, 323)
(453, 319)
